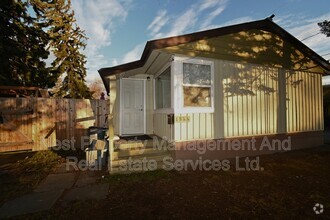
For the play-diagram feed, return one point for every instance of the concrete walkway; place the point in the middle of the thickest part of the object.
(62, 186)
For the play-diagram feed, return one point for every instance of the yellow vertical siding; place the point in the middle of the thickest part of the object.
(247, 102)
(199, 126)
(304, 101)
(252, 46)
(250, 99)
(161, 127)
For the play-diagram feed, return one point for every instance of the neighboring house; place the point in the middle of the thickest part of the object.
(247, 80)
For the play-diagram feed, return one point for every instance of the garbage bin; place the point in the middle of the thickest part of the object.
(96, 154)
(97, 151)
(96, 133)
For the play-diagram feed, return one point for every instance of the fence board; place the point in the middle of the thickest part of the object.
(41, 123)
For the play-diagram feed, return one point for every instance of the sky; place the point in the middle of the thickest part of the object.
(118, 30)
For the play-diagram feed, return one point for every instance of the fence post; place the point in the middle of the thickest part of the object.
(35, 120)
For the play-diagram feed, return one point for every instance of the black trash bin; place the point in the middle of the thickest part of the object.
(97, 151)
(99, 131)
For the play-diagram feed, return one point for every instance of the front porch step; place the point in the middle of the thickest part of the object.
(122, 154)
(130, 145)
(137, 152)
(121, 165)
(138, 159)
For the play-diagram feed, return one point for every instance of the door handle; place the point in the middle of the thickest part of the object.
(141, 109)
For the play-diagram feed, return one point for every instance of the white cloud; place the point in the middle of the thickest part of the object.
(183, 23)
(191, 19)
(206, 4)
(134, 54)
(289, 21)
(114, 62)
(207, 22)
(178, 24)
(220, 7)
(97, 18)
(159, 21)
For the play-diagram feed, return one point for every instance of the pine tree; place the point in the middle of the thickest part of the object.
(22, 47)
(66, 42)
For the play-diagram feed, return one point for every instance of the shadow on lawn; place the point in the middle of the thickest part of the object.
(21, 172)
(291, 184)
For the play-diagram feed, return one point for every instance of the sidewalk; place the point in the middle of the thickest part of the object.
(58, 187)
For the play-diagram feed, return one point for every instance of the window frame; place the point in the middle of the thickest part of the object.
(179, 107)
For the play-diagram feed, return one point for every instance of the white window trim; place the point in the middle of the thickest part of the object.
(163, 110)
(178, 85)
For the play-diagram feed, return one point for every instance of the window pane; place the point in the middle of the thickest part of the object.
(196, 74)
(197, 96)
(163, 90)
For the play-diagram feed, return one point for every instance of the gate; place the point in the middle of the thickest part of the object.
(16, 124)
(40, 123)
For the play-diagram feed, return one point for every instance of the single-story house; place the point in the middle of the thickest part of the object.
(247, 80)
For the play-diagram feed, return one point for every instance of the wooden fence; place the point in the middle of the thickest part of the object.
(40, 123)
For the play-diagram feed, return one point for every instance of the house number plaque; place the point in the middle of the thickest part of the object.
(182, 118)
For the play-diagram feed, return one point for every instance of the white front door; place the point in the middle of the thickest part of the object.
(132, 107)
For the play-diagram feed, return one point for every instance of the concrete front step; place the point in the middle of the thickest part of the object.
(139, 163)
(119, 154)
(128, 156)
(133, 144)
(139, 159)
(137, 169)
